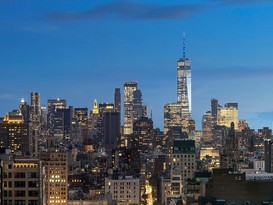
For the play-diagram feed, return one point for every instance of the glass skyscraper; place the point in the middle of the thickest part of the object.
(184, 85)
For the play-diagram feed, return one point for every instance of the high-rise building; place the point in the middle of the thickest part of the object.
(129, 89)
(43, 118)
(35, 108)
(111, 129)
(52, 105)
(24, 109)
(67, 118)
(81, 114)
(183, 161)
(172, 116)
(55, 173)
(143, 135)
(207, 124)
(21, 181)
(117, 100)
(184, 83)
(268, 154)
(228, 114)
(35, 115)
(133, 108)
(214, 111)
(15, 134)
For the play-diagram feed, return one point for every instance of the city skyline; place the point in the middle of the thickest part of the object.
(80, 52)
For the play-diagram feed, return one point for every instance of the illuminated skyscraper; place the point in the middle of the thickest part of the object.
(15, 134)
(133, 108)
(35, 115)
(184, 83)
(35, 108)
(24, 109)
(228, 114)
(172, 116)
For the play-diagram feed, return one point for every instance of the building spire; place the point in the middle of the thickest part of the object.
(184, 45)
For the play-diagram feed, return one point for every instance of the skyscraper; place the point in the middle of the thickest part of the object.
(214, 111)
(117, 100)
(111, 129)
(184, 83)
(129, 89)
(35, 109)
(172, 116)
(15, 134)
(228, 114)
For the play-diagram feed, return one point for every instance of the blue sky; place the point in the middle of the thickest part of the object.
(81, 50)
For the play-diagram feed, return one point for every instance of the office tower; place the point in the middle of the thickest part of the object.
(137, 105)
(143, 135)
(24, 109)
(21, 181)
(67, 114)
(183, 161)
(52, 105)
(207, 124)
(188, 126)
(15, 134)
(265, 132)
(172, 116)
(55, 173)
(133, 108)
(228, 114)
(184, 83)
(129, 89)
(117, 100)
(43, 118)
(35, 111)
(268, 154)
(81, 114)
(103, 108)
(230, 156)
(35, 115)
(57, 125)
(214, 111)
(111, 129)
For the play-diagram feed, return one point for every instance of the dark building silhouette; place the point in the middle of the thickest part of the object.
(111, 129)
(117, 100)
(268, 156)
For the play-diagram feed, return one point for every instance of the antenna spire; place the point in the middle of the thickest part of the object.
(184, 45)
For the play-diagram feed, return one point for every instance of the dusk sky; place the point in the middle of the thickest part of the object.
(82, 49)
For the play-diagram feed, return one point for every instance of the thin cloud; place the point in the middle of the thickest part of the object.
(131, 11)
(237, 2)
(6, 96)
(237, 72)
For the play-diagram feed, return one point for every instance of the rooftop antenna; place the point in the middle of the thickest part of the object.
(151, 113)
(184, 45)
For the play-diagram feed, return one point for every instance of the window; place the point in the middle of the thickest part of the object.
(19, 184)
(33, 193)
(19, 193)
(32, 184)
(19, 175)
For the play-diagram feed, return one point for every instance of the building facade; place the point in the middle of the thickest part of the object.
(124, 191)
(21, 181)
